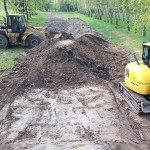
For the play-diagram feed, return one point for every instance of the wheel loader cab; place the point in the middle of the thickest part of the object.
(146, 54)
(16, 22)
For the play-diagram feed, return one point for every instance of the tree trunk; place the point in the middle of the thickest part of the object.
(135, 30)
(26, 11)
(144, 30)
(30, 13)
(100, 14)
(128, 27)
(128, 22)
(107, 16)
(117, 17)
(5, 7)
(111, 16)
(123, 17)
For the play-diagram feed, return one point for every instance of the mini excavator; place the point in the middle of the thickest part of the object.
(136, 86)
(15, 31)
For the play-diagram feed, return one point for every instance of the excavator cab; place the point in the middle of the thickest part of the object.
(16, 23)
(146, 54)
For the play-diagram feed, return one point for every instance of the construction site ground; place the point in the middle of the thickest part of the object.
(64, 95)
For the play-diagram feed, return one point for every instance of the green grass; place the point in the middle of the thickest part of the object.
(41, 19)
(129, 41)
(8, 55)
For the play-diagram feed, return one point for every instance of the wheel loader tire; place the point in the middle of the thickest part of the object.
(3, 41)
(33, 41)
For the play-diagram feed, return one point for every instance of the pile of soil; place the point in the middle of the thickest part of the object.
(74, 26)
(65, 64)
(89, 58)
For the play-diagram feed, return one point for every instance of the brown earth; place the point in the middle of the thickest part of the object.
(80, 72)
(66, 63)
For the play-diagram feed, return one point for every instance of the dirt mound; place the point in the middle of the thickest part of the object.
(74, 26)
(69, 63)
(89, 58)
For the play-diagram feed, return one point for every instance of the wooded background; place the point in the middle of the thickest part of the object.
(134, 13)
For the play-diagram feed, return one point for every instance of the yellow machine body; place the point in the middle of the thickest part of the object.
(13, 37)
(137, 78)
(15, 31)
(31, 30)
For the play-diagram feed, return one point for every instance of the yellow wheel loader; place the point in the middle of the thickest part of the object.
(136, 85)
(16, 32)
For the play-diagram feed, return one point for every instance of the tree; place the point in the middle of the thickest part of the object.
(5, 7)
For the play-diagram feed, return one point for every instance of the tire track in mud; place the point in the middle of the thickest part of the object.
(61, 118)
(138, 126)
(73, 118)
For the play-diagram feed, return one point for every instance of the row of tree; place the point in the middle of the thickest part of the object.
(135, 12)
(27, 7)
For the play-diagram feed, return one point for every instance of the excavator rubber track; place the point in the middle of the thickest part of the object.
(139, 103)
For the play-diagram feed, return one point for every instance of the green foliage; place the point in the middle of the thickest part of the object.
(47, 5)
(68, 5)
(135, 13)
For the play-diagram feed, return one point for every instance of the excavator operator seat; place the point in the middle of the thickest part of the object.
(16, 22)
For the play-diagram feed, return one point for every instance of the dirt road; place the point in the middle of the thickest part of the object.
(64, 96)
(66, 119)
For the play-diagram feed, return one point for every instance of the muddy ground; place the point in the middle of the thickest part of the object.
(64, 95)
